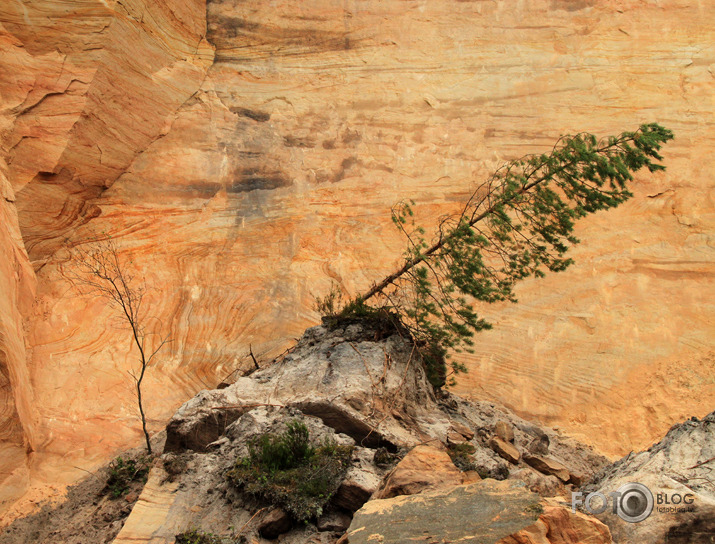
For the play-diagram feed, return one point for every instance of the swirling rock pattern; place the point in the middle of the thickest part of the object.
(245, 154)
(89, 85)
(17, 422)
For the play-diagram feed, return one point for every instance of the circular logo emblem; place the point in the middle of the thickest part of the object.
(634, 503)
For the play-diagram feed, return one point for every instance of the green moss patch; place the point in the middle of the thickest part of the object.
(289, 471)
(123, 472)
(461, 455)
(198, 537)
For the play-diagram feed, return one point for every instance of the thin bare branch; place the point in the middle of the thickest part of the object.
(98, 269)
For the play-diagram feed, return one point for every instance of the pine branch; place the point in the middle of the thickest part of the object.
(518, 224)
(648, 140)
(97, 269)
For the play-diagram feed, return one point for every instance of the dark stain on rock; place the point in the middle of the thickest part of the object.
(63, 177)
(693, 531)
(253, 179)
(329, 144)
(237, 24)
(256, 115)
(292, 141)
(201, 190)
(382, 167)
(232, 36)
(345, 166)
(351, 136)
(572, 5)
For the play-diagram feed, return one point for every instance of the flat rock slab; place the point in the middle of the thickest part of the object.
(548, 466)
(505, 450)
(479, 513)
(148, 520)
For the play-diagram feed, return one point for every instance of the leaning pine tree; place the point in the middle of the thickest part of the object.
(517, 224)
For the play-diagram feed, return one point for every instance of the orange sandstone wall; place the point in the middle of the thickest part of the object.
(247, 154)
(18, 436)
(86, 86)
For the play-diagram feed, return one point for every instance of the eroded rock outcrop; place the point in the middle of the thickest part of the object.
(372, 395)
(412, 492)
(678, 474)
(243, 182)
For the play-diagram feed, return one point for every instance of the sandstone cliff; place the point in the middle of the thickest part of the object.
(245, 155)
(18, 437)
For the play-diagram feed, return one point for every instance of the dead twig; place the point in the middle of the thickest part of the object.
(701, 464)
(250, 351)
(241, 406)
(88, 472)
(238, 533)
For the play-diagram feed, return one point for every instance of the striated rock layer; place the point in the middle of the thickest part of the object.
(90, 84)
(244, 156)
(18, 437)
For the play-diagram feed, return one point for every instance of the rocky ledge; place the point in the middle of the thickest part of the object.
(396, 461)
(418, 453)
(678, 473)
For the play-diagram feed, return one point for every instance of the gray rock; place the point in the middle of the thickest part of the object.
(370, 389)
(680, 464)
(334, 521)
(205, 425)
(539, 445)
(359, 485)
(489, 465)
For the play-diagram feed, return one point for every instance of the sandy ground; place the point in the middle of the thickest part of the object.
(89, 514)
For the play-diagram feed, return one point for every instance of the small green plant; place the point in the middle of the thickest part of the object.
(287, 470)
(535, 509)
(284, 451)
(338, 312)
(195, 536)
(329, 305)
(461, 456)
(122, 472)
